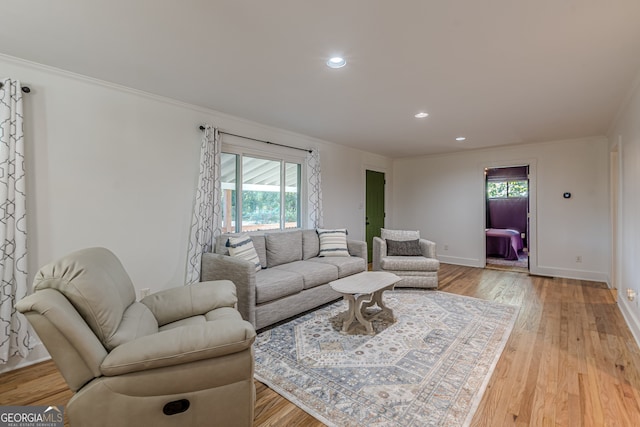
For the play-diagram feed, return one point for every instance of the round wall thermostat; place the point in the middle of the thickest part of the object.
(567, 195)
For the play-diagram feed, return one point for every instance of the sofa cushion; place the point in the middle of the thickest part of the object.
(409, 263)
(272, 284)
(260, 245)
(283, 247)
(399, 235)
(310, 244)
(333, 243)
(241, 247)
(346, 265)
(403, 247)
(313, 273)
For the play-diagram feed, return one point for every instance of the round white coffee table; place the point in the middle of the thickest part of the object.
(363, 290)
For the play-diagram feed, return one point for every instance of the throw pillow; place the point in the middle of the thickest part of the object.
(242, 247)
(333, 242)
(404, 248)
(399, 235)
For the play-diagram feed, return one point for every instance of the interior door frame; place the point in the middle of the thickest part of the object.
(533, 224)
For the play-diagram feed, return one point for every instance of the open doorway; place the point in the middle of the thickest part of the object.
(507, 218)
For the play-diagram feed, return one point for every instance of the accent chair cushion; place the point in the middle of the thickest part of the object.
(333, 243)
(241, 247)
(399, 235)
(403, 248)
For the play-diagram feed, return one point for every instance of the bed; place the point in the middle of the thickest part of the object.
(503, 243)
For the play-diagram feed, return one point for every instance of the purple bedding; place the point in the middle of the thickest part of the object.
(504, 243)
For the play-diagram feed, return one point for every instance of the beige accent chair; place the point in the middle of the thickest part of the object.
(418, 270)
(180, 357)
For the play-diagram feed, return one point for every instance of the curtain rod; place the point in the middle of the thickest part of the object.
(261, 140)
(25, 89)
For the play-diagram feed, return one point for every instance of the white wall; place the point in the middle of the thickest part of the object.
(443, 197)
(114, 167)
(625, 137)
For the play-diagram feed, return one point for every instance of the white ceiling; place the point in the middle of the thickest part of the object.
(496, 71)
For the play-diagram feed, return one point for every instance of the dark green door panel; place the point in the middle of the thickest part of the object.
(374, 207)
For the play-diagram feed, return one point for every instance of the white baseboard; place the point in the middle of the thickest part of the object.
(37, 355)
(633, 321)
(594, 276)
(467, 262)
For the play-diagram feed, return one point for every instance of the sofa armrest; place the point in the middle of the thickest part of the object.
(179, 346)
(191, 300)
(379, 251)
(357, 248)
(241, 273)
(428, 248)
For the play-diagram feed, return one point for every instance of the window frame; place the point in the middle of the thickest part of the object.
(506, 181)
(275, 155)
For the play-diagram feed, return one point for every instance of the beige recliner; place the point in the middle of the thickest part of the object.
(406, 255)
(180, 357)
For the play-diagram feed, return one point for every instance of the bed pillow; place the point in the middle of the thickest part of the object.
(333, 243)
(399, 235)
(403, 248)
(241, 247)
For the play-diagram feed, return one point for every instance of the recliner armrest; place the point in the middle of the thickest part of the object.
(179, 346)
(191, 300)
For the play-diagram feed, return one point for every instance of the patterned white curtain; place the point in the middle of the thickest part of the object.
(205, 222)
(14, 330)
(314, 208)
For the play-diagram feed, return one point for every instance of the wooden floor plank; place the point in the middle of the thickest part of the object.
(570, 360)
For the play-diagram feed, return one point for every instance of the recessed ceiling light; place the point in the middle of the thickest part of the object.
(460, 138)
(336, 62)
(421, 115)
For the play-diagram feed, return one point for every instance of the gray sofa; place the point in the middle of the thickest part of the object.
(295, 278)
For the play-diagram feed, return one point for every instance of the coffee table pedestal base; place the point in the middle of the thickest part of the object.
(358, 304)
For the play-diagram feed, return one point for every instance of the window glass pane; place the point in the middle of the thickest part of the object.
(260, 194)
(228, 196)
(496, 189)
(518, 188)
(292, 195)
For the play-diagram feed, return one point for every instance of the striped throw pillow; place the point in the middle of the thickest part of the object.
(333, 242)
(242, 247)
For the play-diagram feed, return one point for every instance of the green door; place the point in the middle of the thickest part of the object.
(374, 208)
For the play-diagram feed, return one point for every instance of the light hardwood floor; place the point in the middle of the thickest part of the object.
(570, 360)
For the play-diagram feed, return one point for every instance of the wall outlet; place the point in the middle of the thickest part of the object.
(446, 247)
(579, 258)
(144, 292)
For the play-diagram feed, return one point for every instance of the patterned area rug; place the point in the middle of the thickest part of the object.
(428, 368)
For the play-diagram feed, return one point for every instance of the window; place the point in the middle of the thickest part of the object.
(268, 197)
(507, 189)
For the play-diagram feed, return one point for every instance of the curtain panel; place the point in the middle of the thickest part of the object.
(14, 330)
(206, 217)
(314, 190)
